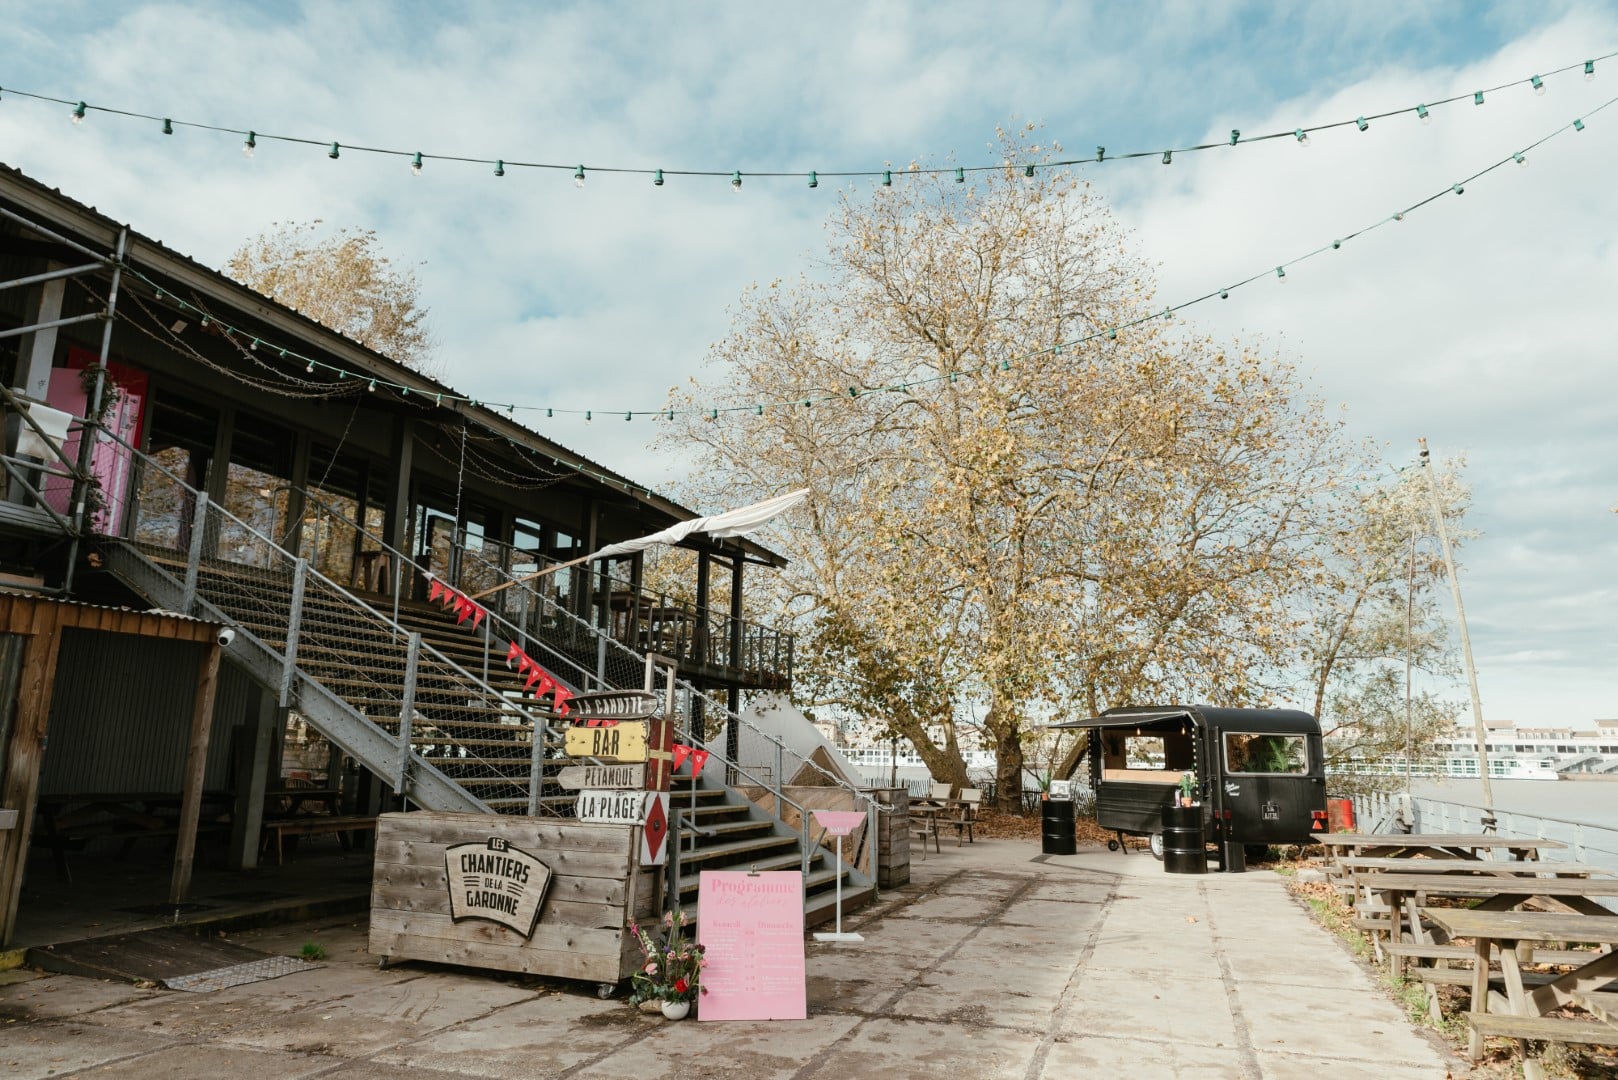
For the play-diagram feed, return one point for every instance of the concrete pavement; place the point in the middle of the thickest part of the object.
(994, 962)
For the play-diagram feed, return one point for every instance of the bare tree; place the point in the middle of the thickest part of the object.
(341, 280)
(1004, 521)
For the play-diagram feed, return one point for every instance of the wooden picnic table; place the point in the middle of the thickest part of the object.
(1403, 892)
(1433, 845)
(1507, 867)
(1525, 1016)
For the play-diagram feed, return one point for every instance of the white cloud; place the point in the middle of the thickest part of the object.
(1484, 321)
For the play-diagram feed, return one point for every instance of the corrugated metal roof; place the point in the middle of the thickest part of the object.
(32, 594)
(226, 287)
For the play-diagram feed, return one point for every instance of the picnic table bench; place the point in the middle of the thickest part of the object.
(1522, 1012)
(344, 826)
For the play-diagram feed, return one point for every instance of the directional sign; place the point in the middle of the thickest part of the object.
(625, 741)
(618, 777)
(611, 807)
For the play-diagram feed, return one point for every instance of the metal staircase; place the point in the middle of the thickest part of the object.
(428, 704)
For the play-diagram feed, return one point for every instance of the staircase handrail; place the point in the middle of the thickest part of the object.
(719, 708)
(537, 716)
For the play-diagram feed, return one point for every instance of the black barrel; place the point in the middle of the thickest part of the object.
(1183, 850)
(1056, 827)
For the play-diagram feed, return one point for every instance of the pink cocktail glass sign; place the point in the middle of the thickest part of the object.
(751, 926)
(839, 822)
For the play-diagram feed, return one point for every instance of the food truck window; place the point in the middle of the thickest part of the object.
(1247, 752)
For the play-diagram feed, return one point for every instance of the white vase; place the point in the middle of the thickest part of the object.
(676, 1010)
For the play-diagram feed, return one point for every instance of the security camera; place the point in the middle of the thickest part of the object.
(227, 634)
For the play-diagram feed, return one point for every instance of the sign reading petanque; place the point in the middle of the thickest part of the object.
(495, 881)
(610, 807)
(623, 742)
(602, 777)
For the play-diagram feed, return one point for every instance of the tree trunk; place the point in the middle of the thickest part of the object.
(1074, 757)
(1008, 770)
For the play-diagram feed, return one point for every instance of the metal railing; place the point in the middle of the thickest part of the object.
(482, 738)
(644, 619)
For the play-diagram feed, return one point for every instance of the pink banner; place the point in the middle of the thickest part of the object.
(752, 929)
(839, 822)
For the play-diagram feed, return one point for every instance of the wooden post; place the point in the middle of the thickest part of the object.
(27, 751)
(252, 777)
(196, 764)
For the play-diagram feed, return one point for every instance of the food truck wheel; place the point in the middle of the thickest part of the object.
(1112, 845)
(1156, 846)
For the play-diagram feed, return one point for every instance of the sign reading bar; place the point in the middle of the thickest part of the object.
(496, 882)
(618, 777)
(610, 807)
(752, 933)
(624, 742)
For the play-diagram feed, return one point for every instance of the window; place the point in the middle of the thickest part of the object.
(1247, 752)
(1144, 752)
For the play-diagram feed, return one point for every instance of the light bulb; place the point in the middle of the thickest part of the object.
(371, 386)
(736, 181)
(335, 152)
(1168, 157)
(657, 181)
(1539, 85)
(78, 113)
(1281, 274)
(168, 126)
(499, 168)
(1589, 72)
(814, 181)
(1477, 97)
(415, 164)
(1302, 136)
(960, 175)
(1362, 123)
(250, 145)
(1519, 159)
(887, 177)
(1421, 112)
(578, 177)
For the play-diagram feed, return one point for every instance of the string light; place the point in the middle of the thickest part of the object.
(1538, 82)
(814, 181)
(371, 386)
(335, 152)
(168, 126)
(250, 144)
(578, 177)
(657, 180)
(415, 164)
(1111, 333)
(960, 175)
(1302, 136)
(1168, 157)
(736, 181)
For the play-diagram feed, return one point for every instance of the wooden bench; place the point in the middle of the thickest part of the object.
(314, 825)
(1468, 953)
(1544, 1028)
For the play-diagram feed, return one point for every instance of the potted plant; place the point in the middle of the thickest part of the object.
(1188, 788)
(672, 972)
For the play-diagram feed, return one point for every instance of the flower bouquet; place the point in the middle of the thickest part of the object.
(672, 972)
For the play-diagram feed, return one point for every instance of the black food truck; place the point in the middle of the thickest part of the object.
(1258, 774)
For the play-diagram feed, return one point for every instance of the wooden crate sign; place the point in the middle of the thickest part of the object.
(602, 777)
(624, 742)
(610, 807)
(496, 882)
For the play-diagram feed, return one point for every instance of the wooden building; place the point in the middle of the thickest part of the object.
(303, 507)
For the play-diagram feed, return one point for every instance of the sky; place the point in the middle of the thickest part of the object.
(1484, 321)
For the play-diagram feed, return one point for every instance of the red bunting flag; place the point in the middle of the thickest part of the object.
(477, 615)
(463, 608)
(560, 702)
(699, 758)
(681, 752)
(512, 653)
(435, 589)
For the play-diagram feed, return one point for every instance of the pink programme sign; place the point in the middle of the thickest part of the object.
(752, 928)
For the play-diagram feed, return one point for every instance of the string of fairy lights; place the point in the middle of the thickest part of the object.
(252, 139)
(258, 347)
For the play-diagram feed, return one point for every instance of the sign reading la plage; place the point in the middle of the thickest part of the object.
(611, 807)
(494, 881)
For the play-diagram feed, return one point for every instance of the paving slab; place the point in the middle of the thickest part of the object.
(994, 961)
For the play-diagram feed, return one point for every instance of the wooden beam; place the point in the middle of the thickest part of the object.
(252, 776)
(25, 755)
(196, 764)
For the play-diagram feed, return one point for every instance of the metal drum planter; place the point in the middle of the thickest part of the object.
(1183, 850)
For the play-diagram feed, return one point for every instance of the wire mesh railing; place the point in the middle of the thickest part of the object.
(479, 736)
